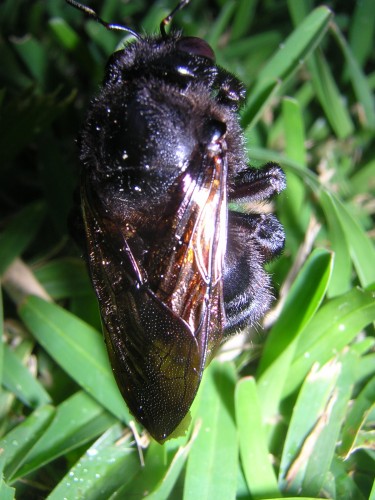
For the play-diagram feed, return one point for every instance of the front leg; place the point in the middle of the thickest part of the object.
(253, 184)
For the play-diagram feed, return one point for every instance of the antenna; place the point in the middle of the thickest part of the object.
(169, 18)
(110, 26)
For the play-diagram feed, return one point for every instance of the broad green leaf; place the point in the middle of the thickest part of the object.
(211, 470)
(19, 380)
(254, 452)
(77, 348)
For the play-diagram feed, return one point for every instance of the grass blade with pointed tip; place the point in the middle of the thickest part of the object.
(292, 52)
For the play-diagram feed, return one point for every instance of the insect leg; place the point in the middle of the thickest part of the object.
(253, 240)
(255, 184)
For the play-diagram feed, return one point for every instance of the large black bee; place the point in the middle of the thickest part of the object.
(174, 269)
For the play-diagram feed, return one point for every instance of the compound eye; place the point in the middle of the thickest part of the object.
(196, 46)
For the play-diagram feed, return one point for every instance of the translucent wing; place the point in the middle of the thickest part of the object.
(160, 292)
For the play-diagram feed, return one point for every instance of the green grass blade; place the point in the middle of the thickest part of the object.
(211, 470)
(2, 340)
(292, 200)
(149, 478)
(19, 233)
(361, 31)
(221, 23)
(372, 494)
(78, 420)
(362, 406)
(334, 326)
(311, 404)
(303, 299)
(77, 348)
(6, 492)
(165, 487)
(360, 84)
(19, 380)
(342, 268)
(294, 130)
(291, 54)
(320, 460)
(17, 443)
(254, 452)
(104, 467)
(257, 103)
(64, 278)
(361, 247)
(243, 18)
(315, 425)
(329, 96)
(64, 34)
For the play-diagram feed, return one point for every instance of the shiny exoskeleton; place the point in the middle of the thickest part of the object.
(174, 269)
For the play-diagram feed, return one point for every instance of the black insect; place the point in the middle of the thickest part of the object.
(173, 268)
